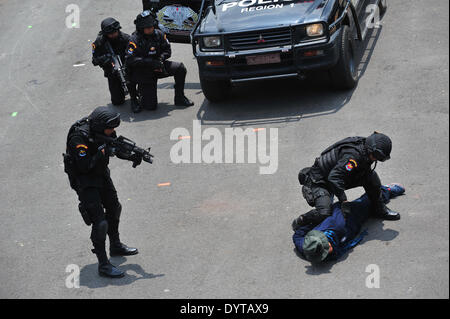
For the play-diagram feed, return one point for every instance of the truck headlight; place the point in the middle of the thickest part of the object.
(212, 42)
(314, 30)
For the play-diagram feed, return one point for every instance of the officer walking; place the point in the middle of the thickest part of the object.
(147, 59)
(101, 56)
(86, 163)
(344, 165)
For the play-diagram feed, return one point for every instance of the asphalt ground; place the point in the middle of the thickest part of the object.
(220, 230)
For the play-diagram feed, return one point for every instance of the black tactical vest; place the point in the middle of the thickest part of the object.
(330, 156)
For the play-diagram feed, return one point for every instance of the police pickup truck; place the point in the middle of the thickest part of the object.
(247, 40)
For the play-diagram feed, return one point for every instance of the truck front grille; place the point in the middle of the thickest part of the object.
(260, 39)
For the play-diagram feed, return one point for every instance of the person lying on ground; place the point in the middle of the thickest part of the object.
(337, 234)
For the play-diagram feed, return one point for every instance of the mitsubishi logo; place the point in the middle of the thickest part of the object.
(261, 39)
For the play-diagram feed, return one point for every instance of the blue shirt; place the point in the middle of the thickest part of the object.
(341, 232)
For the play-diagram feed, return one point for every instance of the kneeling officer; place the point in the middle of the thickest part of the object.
(86, 162)
(147, 60)
(345, 165)
(111, 38)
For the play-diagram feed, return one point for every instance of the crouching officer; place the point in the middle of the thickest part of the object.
(344, 165)
(147, 59)
(101, 56)
(86, 162)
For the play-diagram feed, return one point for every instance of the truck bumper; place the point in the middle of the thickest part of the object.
(295, 60)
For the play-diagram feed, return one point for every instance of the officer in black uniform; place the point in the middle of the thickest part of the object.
(344, 165)
(86, 162)
(147, 60)
(110, 31)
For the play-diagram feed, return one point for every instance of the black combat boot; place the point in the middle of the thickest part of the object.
(180, 98)
(183, 101)
(390, 214)
(105, 268)
(116, 248)
(384, 212)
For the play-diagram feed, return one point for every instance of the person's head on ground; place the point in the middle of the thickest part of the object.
(316, 246)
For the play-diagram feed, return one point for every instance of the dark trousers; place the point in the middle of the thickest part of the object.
(103, 208)
(148, 89)
(320, 197)
(116, 90)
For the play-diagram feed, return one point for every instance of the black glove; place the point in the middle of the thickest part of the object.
(106, 60)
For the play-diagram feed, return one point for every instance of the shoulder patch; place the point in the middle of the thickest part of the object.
(82, 152)
(351, 165)
(82, 146)
(131, 47)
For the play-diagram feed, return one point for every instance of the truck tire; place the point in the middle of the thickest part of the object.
(344, 75)
(215, 91)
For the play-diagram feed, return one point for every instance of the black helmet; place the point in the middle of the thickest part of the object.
(103, 118)
(110, 25)
(145, 20)
(380, 146)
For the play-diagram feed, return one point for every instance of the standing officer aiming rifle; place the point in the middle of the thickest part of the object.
(90, 143)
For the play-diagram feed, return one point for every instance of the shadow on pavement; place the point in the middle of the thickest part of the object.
(89, 275)
(375, 232)
(126, 115)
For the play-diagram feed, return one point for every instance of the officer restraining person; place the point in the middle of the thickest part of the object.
(147, 61)
(336, 234)
(86, 163)
(101, 56)
(344, 165)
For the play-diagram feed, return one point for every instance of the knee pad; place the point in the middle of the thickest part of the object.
(308, 195)
(95, 211)
(303, 175)
(99, 231)
(182, 69)
(324, 211)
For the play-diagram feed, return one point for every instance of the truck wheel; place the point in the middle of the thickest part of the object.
(215, 91)
(383, 7)
(344, 75)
